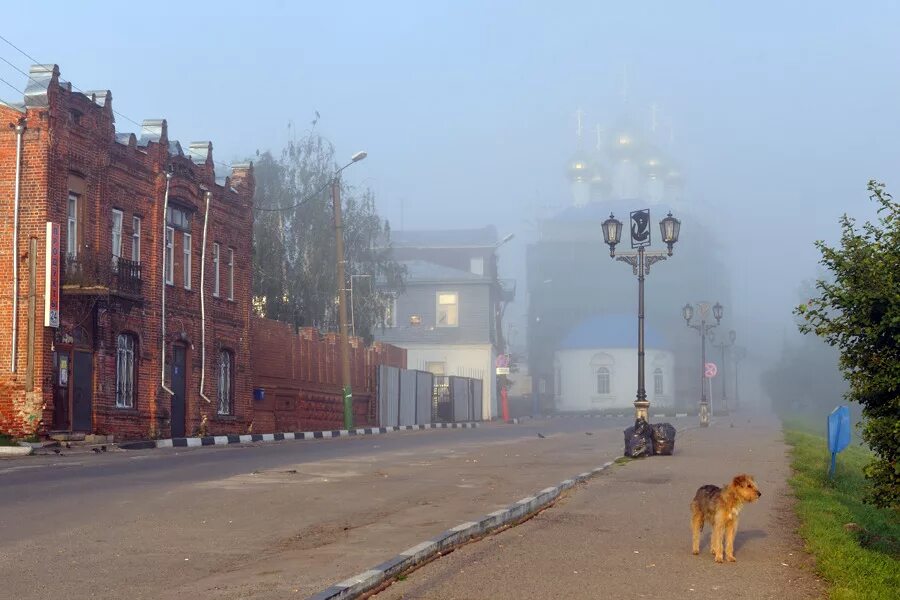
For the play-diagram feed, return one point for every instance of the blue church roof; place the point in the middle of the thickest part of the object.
(610, 331)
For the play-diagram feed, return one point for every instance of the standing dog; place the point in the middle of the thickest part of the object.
(721, 507)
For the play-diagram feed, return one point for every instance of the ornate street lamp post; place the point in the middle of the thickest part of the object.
(723, 345)
(705, 329)
(640, 262)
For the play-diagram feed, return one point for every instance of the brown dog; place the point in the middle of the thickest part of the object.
(721, 507)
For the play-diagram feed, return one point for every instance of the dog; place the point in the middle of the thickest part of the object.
(721, 507)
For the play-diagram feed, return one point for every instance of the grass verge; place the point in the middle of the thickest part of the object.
(857, 546)
(5, 440)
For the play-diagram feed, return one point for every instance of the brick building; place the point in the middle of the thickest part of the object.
(154, 262)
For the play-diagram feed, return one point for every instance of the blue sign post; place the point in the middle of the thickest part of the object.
(838, 433)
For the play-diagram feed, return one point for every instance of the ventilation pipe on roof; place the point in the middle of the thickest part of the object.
(162, 371)
(203, 302)
(20, 131)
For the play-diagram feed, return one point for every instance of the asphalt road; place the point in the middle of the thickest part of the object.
(265, 520)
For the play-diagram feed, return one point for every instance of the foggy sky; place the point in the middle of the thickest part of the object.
(781, 111)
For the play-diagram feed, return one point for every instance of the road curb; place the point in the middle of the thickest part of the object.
(365, 582)
(16, 450)
(225, 440)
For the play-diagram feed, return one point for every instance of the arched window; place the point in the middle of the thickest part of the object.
(603, 380)
(658, 382)
(125, 351)
(226, 392)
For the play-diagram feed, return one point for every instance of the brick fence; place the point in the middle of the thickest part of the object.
(300, 375)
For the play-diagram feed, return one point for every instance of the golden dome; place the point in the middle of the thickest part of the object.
(579, 169)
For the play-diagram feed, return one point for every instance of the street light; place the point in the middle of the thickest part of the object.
(705, 329)
(723, 346)
(347, 391)
(640, 262)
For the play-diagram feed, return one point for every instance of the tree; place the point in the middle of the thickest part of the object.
(858, 312)
(294, 242)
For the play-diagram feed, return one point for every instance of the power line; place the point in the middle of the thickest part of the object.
(298, 204)
(36, 61)
(12, 86)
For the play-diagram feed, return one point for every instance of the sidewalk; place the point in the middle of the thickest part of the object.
(626, 534)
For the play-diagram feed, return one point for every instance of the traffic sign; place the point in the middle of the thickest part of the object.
(501, 361)
(502, 370)
(710, 370)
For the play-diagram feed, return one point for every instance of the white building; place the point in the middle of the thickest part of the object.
(596, 366)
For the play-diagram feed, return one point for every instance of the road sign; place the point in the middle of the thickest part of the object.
(502, 360)
(502, 370)
(640, 228)
(838, 433)
(710, 370)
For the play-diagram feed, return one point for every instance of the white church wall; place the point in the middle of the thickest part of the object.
(606, 378)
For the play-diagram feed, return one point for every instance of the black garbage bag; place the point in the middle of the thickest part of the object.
(663, 438)
(639, 439)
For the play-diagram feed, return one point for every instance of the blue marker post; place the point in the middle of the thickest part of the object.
(838, 434)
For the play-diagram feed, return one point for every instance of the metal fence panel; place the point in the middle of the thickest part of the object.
(407, 411)
(477, 399)
(388, 396)
(441, 401)
(460, 393)
(424, 393)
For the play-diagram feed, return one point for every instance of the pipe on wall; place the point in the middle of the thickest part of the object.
(20, 131)
(162, 370)
(203, 302)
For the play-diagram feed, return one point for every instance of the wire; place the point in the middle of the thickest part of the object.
(12, 86)
(36, 61)
(296, 205)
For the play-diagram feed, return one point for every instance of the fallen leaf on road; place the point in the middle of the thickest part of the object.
(784, 564)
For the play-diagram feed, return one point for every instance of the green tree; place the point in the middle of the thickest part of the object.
(294, 242)
(857, 311)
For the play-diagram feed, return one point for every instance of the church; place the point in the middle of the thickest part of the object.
(582, 305)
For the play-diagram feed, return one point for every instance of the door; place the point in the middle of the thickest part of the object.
(178, 364)
(82, 384)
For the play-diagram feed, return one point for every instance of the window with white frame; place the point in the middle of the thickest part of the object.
(187, 261)
(225, 393)
(231, 273)
(215, 258)
(72, 226)
(447, 309)
(658, 382)
(136, 239)
(603, 380)
(476, 265)
(116, 236)
(170, 256)
(125, 352)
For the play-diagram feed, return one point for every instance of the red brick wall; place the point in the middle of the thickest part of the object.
(131, 178)
(300, 374)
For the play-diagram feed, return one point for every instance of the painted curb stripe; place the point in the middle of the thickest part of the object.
(224, 440)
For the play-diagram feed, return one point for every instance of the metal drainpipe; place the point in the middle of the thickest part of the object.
(20, 130)
(203, 303)
(162, 371)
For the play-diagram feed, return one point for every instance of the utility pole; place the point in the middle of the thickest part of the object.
(346, 387)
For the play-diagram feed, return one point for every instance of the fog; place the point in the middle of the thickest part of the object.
(777, 113)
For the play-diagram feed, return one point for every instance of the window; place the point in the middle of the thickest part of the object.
(225, 398)
(116, 236)
(447, 309)
(231, 273)
(178, 218)
(136, 239)
(436, 368)
(216, 270)
(72, 226)
(125, 371)
(603, 380)
(476, 265)
(187, 261)
(170, 256)
(658, 382)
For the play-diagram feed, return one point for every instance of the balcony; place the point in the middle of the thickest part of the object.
(91, 274)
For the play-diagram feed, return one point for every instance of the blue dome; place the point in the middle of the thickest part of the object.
(610, 331)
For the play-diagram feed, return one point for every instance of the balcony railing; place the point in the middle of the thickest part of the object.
(89, 272)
